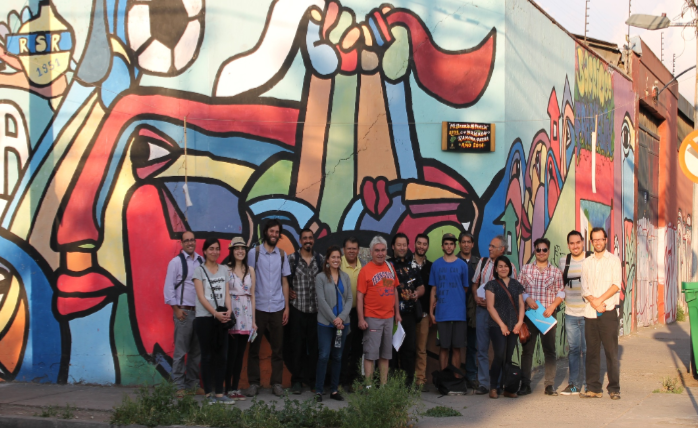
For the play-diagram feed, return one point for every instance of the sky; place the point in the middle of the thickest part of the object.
(607, 22)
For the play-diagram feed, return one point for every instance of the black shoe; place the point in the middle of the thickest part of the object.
(524, 390)
(336, 396)
(472, 384)
(481, 390)
(318, 397)
(550, 391)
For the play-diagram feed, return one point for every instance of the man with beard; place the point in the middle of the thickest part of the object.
(181, 295)
(272, 309)
(449, 281)
(421, 246)
(484, 273)
(409, 291)
(466, 242)
(305, 265)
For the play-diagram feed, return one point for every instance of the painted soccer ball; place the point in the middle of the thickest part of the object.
(165, 34)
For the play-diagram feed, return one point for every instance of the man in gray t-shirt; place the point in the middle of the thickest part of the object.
(571, 267)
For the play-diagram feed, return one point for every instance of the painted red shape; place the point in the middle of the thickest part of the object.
(150, 169)
(456, 77)
(71, 305)
(145, 132)
(383, 198)
(331, 14)
(368, 194)
(78, 220)
(88, 283)
(435, 175)
(382, 25)
(349, 60)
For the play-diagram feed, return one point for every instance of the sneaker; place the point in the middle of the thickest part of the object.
(224, 400)
(481, 390)
(614, 395)
(524, 390)
(236, 395)
(318, 398)
(336, 396)
(278, 390)
(549, 390)
(296, 388)
(589, 394)
(252, 390)
(570, 390)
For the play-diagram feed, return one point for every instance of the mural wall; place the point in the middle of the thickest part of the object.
(323, 114)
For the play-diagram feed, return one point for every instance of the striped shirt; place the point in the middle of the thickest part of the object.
(542, 285)
(574, 303)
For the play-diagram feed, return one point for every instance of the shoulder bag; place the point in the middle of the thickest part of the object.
(524, 334)
(225, 325)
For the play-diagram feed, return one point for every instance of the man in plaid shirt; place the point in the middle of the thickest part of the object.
(543, 283)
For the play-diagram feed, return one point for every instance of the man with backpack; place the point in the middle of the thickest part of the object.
(271, 306)
(305, 265)
(180, 293)
(466, 241)
(571, 267)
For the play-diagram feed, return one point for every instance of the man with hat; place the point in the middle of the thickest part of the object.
(449, 281)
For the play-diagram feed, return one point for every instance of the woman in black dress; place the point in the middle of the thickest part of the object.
(506, 319)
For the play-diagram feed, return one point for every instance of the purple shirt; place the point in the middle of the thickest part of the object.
(269, 295)
(174, 277)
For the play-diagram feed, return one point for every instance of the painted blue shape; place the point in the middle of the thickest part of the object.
(91, 356)
(74, 100)
(66, 42)
(375, 31)
(111, 10)
(599, 215)
(30, 42)
(42, 355)
(322, 56)
(300, 212)
(495, 206)
(120, 26)
(386, 223)
(117, 82)
(351, 220)
(224, 219)
(234, 148)
(26, 15)
(397, 105)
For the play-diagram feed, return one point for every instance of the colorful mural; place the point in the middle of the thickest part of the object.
(323, 114)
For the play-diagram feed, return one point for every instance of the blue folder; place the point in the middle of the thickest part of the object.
(542, 323)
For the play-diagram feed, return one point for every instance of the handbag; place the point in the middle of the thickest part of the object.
(224, 325)
(524, 334)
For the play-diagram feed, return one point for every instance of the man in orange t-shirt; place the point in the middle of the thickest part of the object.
(377, 304)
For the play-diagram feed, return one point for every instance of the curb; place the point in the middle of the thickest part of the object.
(36, 422)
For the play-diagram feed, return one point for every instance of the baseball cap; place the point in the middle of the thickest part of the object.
(237, 242)
(448, 237)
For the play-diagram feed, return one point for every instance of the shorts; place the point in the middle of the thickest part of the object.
(451, 334)
(378, 339)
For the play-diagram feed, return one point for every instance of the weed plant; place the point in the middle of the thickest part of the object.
(442, 412)
(670, 385)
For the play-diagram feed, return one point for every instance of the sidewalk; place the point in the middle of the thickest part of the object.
(646, 357)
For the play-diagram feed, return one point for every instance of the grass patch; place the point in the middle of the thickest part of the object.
(680, 314)
(441, 412)
(390, 406)
(67, 412)
(670, 385)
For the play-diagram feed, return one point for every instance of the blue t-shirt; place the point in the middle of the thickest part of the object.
(339, 307)
(450, 280)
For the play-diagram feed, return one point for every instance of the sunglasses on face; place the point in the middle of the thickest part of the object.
(541, 250)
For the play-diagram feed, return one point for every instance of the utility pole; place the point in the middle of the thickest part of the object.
(673, 66)
(662, 49)
(630, 2)
(586, 20)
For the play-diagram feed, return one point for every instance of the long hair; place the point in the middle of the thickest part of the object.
(232, 261)
(326, 268)
(504, 259)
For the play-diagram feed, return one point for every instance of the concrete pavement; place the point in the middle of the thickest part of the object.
(646, 357)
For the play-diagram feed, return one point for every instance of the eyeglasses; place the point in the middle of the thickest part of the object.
(188, 241)
(541, 250)
(598, 240)
(495, 246)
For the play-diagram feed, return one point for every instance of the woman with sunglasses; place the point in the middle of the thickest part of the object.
(241, 280)
(505, 305)
(543, 284)
(210, 280)
(334, 298)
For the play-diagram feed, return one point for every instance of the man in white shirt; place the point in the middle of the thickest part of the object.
(601, 280)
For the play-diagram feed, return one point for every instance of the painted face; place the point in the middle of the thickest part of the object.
(212, 253)
(496, 248)
(421, 247)
(448, 247)
(598, 241)
(575, 245)
(188, 242)
(542, 253)
(351, 251)
(466, 245)
(307, 241)
(502, 269)
(335, 259)
(400, 247)
(378, 254)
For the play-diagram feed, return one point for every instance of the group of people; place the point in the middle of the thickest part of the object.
(334, 310)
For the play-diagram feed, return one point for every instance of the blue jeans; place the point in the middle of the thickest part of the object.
(574, 328)
(482, 323)
(325, 339)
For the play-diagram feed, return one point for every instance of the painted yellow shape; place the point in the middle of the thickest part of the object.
(10, 304)
(118, 47)
(417, 192)
(235, 176)
(44, 68)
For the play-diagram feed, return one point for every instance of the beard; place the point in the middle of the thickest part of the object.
(271, 240)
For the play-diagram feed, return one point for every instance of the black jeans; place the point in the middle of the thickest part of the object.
(406, 358)
(353, 350)
(602, 331)
(304, 346)
(237, 343)
(548, 342)
(503, 347)
(471, 354)
(213, 342)
(271, 322)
